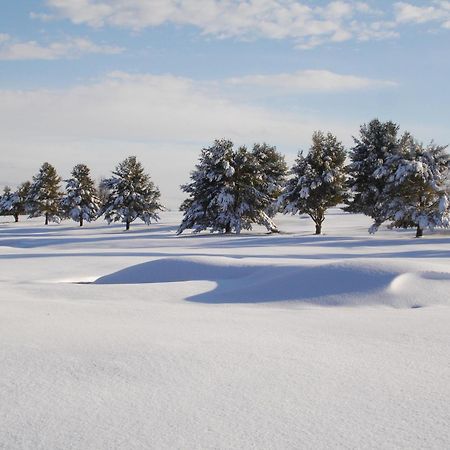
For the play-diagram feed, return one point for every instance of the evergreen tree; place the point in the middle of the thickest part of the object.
(131, 195)
(81, 200)
(415, 194)
(44, 196)
(272, 170)
(15, 203)
(319, 180)
(377, 142)
(228, 190)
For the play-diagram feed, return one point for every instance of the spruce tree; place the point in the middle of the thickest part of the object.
(15, 203)
(415, 193)
(131, 195)
(376, 143)
(81, 201)
(228, 190)
(272, 170)
(318, 181)
(44, 197)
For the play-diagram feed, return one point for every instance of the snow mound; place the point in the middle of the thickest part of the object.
(341, 284)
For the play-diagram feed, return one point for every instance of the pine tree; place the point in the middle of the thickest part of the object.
(44, 197)
(228, 190)
(377, 142)
(131, 195)
(15, 203)
(272, 170)
(81, 200)
(319, 180)
(415, 194)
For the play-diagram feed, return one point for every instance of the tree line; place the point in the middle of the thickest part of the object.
(386, 176)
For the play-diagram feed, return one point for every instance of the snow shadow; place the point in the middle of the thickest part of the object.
(330, 284)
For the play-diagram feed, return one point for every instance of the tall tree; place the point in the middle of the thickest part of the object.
(15, 203)
(44, 197)
(318, 181)
(81, 201)
(229, 190)
(415, 193)
(376, 143)
(131, 195)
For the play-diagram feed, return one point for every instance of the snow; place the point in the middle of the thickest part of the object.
(145, 339)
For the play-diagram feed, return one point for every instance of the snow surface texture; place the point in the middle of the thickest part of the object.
(148, 340)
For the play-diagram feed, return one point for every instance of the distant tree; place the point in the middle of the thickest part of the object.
(228, 189)
(44, 196)
(81, 201)
(131, 195)
(318, 181)
(15, 203)
(272, 170)
(377, 142)
(415, 193)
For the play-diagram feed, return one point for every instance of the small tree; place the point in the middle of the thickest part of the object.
(44, 197)
(377, 142)
(229, 190)
(318, 182)
(15, 203)
(81, 200)
(131, 195)
(415, 194)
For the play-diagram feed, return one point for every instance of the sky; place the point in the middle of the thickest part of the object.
(95, 81)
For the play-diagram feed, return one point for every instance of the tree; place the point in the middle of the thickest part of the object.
(318, 181)
(377, 142)
(81, 200)
(228, 190)
(415, 194)
(131, 195)
(15, 203)
(44, 197)
(272, 170)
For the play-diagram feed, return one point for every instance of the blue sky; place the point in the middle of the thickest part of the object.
(97, 80)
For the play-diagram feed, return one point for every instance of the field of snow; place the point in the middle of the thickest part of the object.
(142, 339)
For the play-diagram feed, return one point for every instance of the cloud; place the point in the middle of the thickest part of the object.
(165, 120)
(304, 22)
(437, 11)
(315, 81)
(11, 49)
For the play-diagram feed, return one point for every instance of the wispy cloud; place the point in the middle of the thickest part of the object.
(437, 11)
(306, 23)
(13, 49)
(314, 81)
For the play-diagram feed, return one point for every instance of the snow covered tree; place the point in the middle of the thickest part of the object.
(81, 201)
(44, 196)
(415, 193)
(15, 203)
(318, 181)
(228, 191)
(377, 142)
(272, 170)
(131, 195)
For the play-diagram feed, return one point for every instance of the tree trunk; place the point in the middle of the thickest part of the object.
(16, 217)
(46, 218)
(127, 226)
(81, 221)
(318, 228)
(419, 232)
(228, 229)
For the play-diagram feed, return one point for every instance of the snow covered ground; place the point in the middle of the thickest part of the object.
(148, 340)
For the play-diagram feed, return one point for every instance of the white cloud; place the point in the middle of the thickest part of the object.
(434, 11)
(11, 49)
(164, 120)
(304, 22)
(311, 81)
